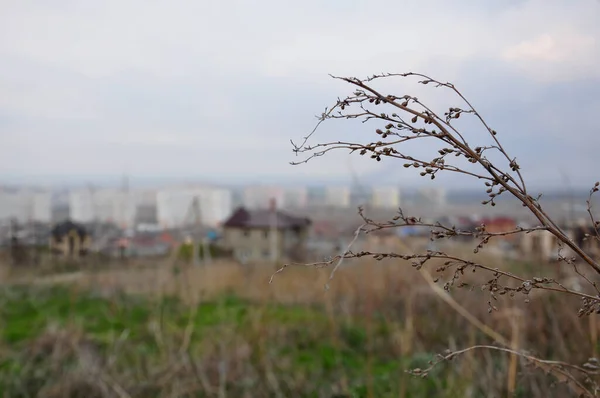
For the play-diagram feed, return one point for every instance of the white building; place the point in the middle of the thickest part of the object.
(41, 207)
(81, 206)
(386, 197)
(295, 198)
(338, 196)
(432, 196)
(145, 197)
(26, 206)
(115, 206)
(105, 205)
(259, 196)
(175, 207)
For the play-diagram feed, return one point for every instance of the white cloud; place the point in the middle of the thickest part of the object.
(556, 57)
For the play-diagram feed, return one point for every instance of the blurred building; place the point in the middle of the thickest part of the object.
(296, 198)
(178, 207)
(433, 196)
(316, 196)
(264, 235)
(81, 206)
(260, 196)
(115, 206)
(69, 239)
(338, 196)
(26, 206)
(385, 197)
(104, 206)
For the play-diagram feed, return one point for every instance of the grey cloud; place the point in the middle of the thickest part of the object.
(198, 89)
(550, 128)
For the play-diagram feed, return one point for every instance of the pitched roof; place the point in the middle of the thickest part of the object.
(65, 227)
(242, 218)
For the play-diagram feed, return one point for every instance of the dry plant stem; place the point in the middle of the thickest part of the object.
(462, 311)
(498, 179)
(556, 368)
(512, 369)
(120, 391)
(189, 329)
(439, 255)
(572, 263)
(447, 133)
(340, 258)
(595, 224)
(344, 254)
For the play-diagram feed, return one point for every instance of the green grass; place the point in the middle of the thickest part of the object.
(298, 340)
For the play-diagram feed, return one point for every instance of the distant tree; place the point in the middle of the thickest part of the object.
(402, 119)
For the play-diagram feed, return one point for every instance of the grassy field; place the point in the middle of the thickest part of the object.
(168, 330)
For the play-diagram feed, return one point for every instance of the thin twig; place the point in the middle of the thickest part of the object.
(343, 256)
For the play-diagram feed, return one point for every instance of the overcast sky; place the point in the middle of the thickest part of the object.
(90, 89)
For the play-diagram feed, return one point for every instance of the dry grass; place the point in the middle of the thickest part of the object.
(289, 338)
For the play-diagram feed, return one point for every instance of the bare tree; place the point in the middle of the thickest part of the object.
(402, 119)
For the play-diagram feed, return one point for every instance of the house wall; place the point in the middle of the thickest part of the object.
(294, 245)
(63, 245)
(249, 244)
(256, 245)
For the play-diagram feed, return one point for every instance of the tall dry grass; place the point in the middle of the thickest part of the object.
(389, 304)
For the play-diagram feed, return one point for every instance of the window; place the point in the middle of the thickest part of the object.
(266, 254)
(246, 233)
(266, 234)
